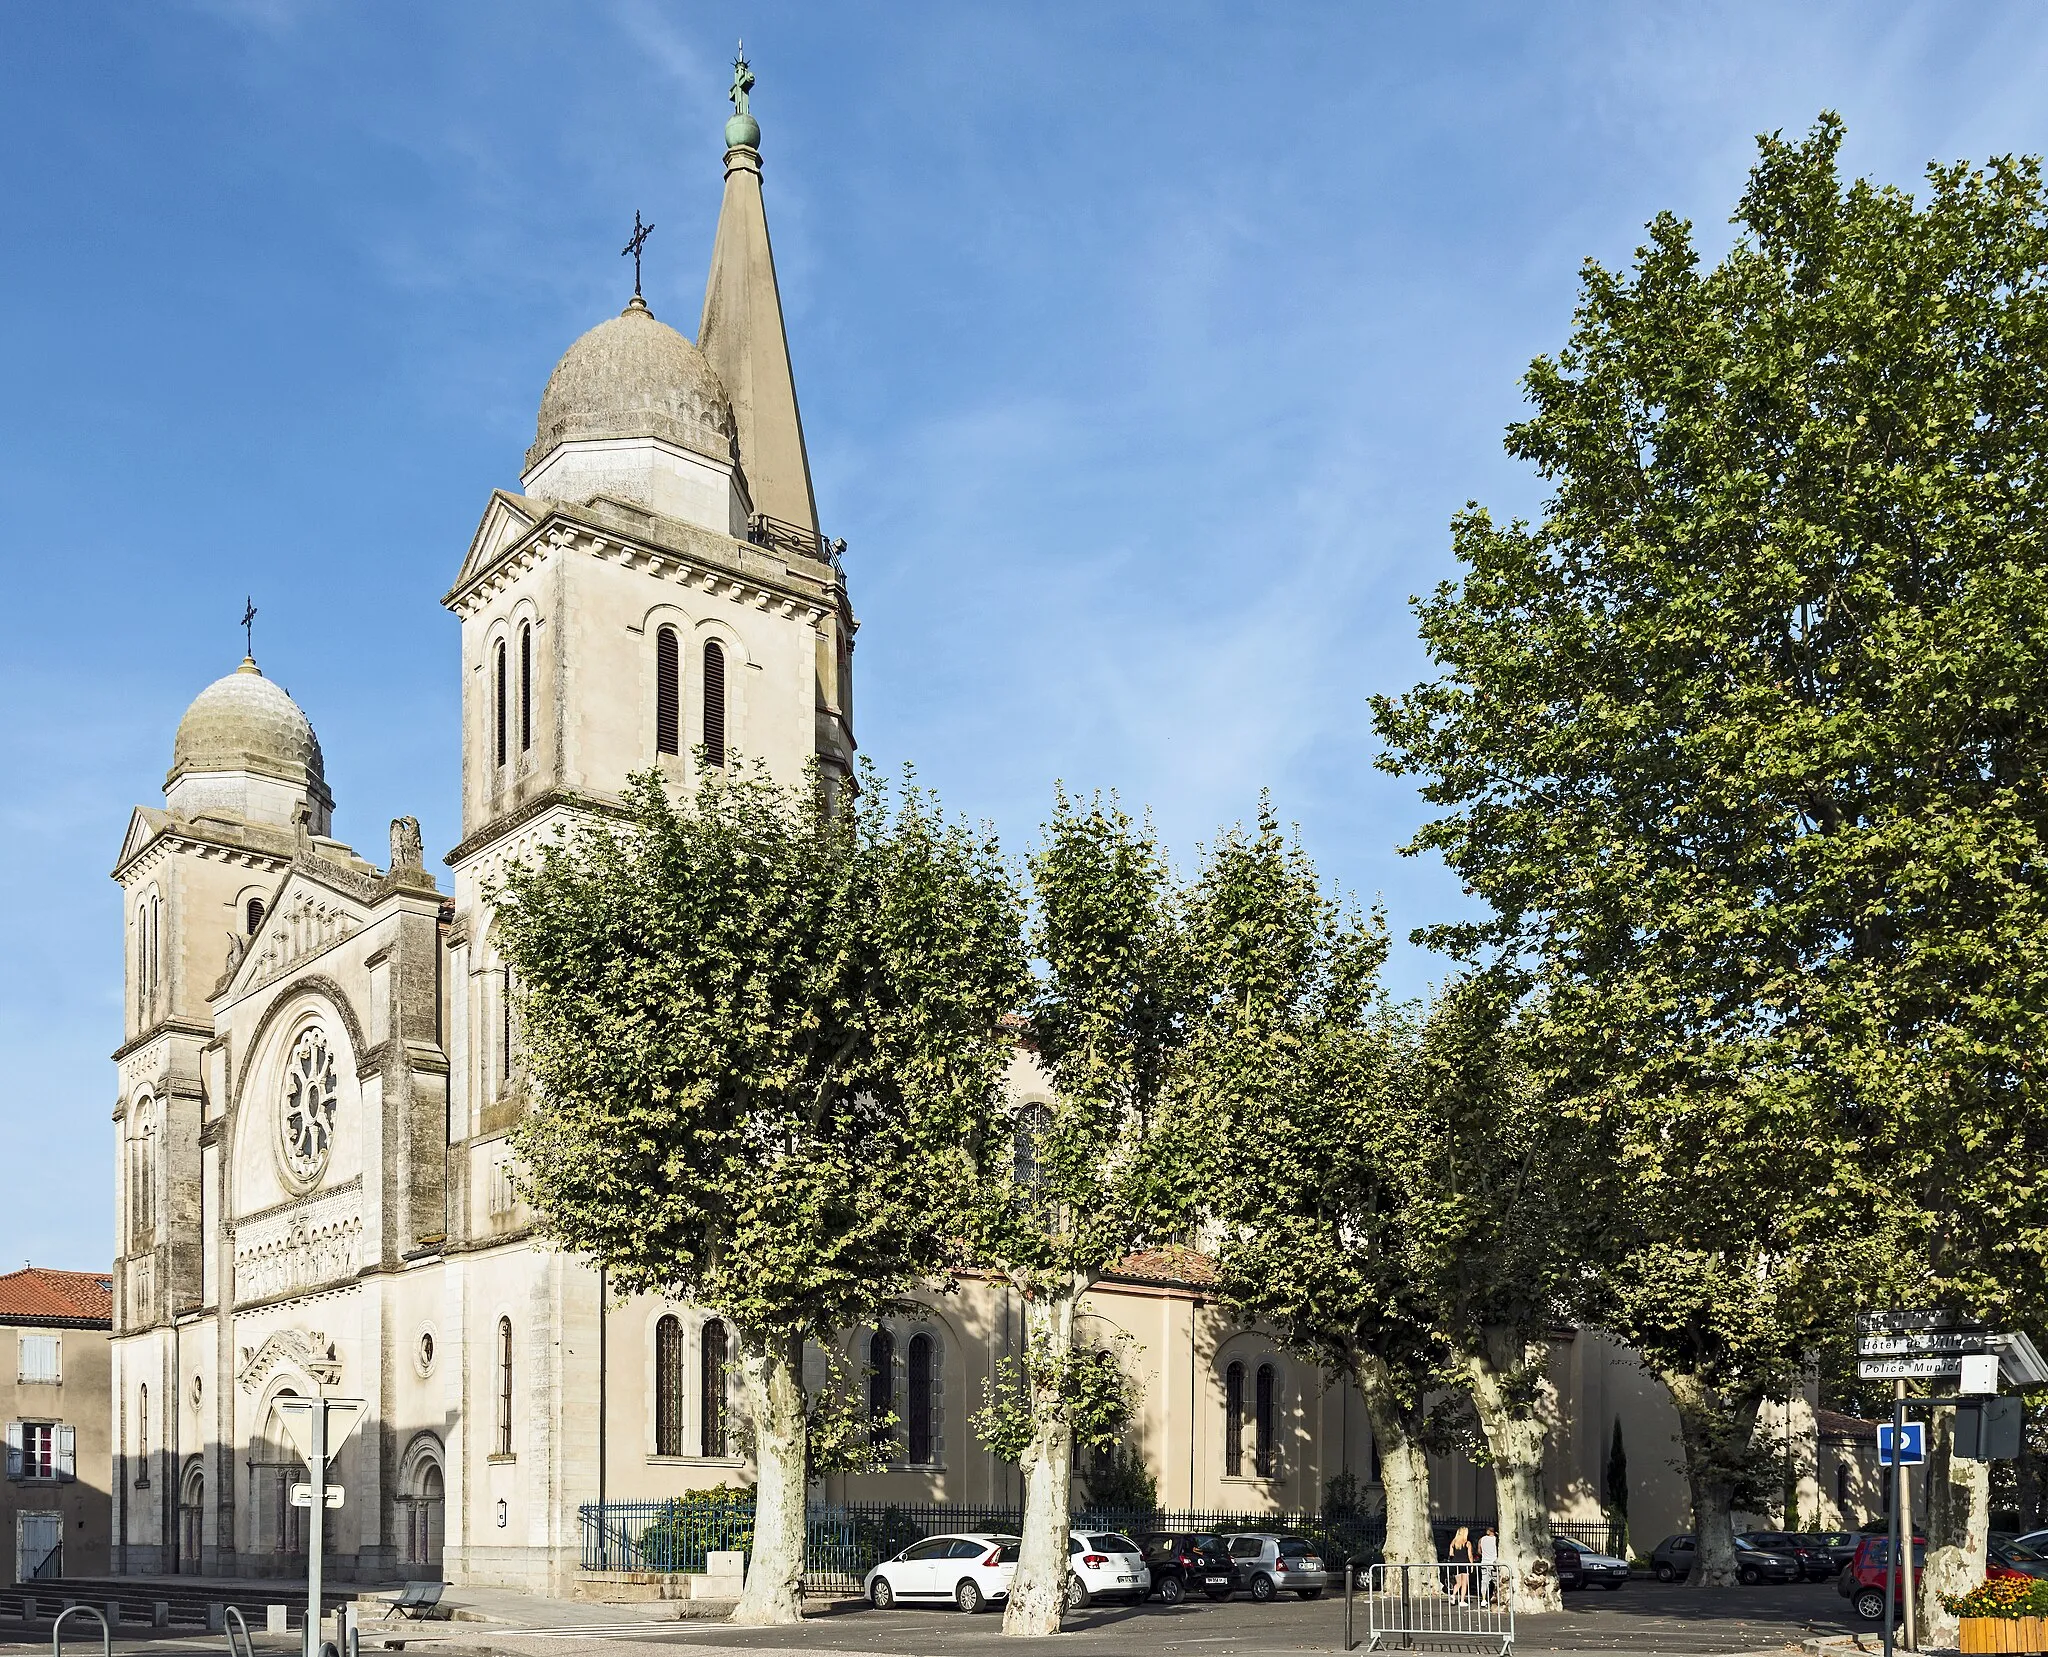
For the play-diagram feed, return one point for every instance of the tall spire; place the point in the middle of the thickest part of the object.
(742, 334)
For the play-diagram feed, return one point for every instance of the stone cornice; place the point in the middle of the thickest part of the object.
(159, 1030)
(187, 835)
(670, 550)
(565, 799)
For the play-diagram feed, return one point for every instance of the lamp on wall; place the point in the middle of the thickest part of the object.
(501, 1513)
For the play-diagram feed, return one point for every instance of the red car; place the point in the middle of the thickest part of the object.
(1862, 1579)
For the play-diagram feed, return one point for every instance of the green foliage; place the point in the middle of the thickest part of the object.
(764, 1035)
(1120, 1482)
(841, 1436)
(1090, 1392)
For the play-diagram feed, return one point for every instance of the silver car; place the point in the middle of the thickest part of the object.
(1266, 1564)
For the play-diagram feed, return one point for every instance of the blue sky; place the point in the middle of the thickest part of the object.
(1144, 351)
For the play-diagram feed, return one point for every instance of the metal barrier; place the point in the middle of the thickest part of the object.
(1411, 1605)
(247, 1647)
(57, 1629)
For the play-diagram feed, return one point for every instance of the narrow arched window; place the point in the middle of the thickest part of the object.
(1265, 1436)
(882, 1387)
(668, 1386)
(525, 687)
(1233, 1421)
(712, 1344)
(156, 942)
(142, 1435)
(142, 1205)
(1033, 1123)
(714, 703)
(920, 1378)
(254, 913)
(504, 1386)
(142, 961)
(1842, 1489)
(505, 1025)
(499, 693)
(668, 693)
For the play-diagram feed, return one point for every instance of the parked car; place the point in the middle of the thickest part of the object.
(1103, 1564)
(1671, 1559)
(1862, 1580)
(1754, 1564)
(2015, 1558)
(1266, 1564)
(1815, 1561)
(970, 1568)
(1183, 1563)
(1578, 1566)
(1840, 1545)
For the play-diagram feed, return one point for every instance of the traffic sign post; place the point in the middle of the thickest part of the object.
(318, 1427)
(1905, 1443)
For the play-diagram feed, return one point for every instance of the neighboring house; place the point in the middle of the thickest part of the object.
(1853, 1493)
(54, 1368)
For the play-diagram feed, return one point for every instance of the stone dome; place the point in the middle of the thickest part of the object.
(244, 722)
(634, 377)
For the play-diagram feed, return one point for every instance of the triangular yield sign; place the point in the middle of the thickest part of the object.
(344, 1415)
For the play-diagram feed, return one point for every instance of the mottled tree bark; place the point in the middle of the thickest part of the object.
(1517, 1406)
(773, 1371)
(1716, 1437)
(1404, 1465)
(1957, 1494)
(1038, 1589)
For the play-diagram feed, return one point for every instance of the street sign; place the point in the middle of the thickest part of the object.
(1924, 1341)
(1909, 1369)
(1911, 1443)
(344, 1416)
(1910, 1323)
(302, 1495)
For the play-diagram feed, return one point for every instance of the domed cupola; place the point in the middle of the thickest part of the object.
(633, 410)
(246, 749)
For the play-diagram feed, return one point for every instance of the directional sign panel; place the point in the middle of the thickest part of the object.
(1909, 1323)
(1902, 1346)
(302, 1495)
(1911, 1444)
(1909, 1369)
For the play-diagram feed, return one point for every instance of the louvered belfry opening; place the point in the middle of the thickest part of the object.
(526, 687)
(668, 693)
(501, 702)
(714, 703)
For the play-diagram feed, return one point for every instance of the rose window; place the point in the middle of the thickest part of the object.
(306, 1119)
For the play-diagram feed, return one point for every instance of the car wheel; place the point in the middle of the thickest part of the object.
(1664, 1573)
(1869, 1602)
(1262, 1588)
(1750, 1576)
(1077, 1594)
(880, 1595)
(968, 1596)
(1219, 1595)
(1171, 1590)
(1310, 1593)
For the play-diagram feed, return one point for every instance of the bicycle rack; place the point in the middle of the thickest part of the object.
(57, 1629)
(247, 1647)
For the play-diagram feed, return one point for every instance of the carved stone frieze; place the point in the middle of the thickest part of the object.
(305, 1245)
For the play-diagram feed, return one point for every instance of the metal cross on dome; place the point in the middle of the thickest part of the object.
(638, 240)
(249, 627)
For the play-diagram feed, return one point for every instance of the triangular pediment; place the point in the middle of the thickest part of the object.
(506, 520)
(308, 915)
(145, 823)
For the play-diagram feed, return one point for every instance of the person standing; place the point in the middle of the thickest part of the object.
(1461, 1565)
(1489, 1564)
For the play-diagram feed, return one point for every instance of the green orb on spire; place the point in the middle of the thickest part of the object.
(742, 131)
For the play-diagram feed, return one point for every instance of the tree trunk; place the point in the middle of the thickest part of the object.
(1404, 1465)
(1038, 1590)
(1958, 1524)
(1716, 1437)
(774, 1378)
(1517, 1406)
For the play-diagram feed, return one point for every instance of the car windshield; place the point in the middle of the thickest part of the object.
(2020, 1551)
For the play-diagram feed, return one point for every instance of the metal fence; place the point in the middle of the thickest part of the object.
(1411, 1605)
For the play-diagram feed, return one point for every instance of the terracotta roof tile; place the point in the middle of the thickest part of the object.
(1175, 1263)
(1834, 1424)
(36, 1294)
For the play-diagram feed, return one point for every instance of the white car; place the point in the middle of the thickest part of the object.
(970, 1568)
(1105, 1562)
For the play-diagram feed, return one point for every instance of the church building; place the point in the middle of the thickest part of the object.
(320, 1065)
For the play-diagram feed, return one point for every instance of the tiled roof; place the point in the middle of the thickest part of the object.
(1175, 1263)
(36, 1294)
(1834, 1424)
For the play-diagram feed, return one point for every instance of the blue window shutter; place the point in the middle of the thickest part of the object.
(67, 1452)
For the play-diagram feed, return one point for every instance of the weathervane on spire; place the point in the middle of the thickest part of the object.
(249, 627)
(742, 81)
(634, 244)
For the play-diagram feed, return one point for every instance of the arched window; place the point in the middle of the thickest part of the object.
(1265, 1437)
(668, 1386)
(1033, 1123)
(1233, 1421)
(142, 960)
(668, 693)
(254, 914)
(920, 1376)
(525, 686)
(505, 1024)
(504, 1386)
(882, 1387)
(142, 1434)
(714, 703)
(156, 942)
(1842, 1490)
(499, 692)
(142, 1200)
(712, 1350)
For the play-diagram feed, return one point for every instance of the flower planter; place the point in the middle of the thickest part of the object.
(2003, 1634)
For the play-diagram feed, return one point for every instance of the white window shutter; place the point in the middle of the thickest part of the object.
(14, 1449)
(67, 1452)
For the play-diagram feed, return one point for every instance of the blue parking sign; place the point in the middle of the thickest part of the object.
(1911, 1444)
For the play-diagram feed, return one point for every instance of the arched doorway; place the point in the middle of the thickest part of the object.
(276, 1527)
(421, 1506)
(192, 1519)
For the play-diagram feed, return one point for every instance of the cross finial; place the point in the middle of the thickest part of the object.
(249, 627)
(634, 245)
